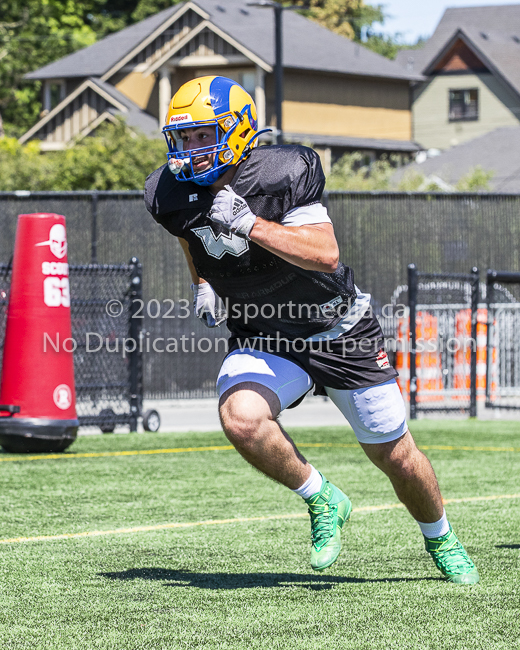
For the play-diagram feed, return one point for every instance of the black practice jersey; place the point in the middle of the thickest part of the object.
(264, 294)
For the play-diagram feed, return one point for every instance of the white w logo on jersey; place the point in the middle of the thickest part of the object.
(218, 245)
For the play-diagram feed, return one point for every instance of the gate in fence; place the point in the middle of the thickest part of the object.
(503, 342)
(440, 343)
(104, 301)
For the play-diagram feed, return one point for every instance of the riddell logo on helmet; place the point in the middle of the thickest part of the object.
(185, 117)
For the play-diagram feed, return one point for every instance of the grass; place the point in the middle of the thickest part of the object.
(247, 584)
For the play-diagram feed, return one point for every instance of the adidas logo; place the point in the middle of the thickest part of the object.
(237, 206)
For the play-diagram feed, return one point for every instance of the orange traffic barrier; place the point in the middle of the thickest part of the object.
(462, 368)
(402, 357)
(427, 358)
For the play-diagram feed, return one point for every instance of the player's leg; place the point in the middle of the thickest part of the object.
(411, 475)
(248, 413)
(254, 388)
(377, 415)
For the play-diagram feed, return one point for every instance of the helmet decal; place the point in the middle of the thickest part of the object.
(219, 92)
(184, 117)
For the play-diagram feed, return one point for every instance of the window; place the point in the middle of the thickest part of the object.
(248, 82)
(53, 94)
(56, 94)
(463, 105)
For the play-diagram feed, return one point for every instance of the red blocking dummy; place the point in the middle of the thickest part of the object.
(37, 398)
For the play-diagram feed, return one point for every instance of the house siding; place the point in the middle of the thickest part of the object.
(498, 106)
(339, 106)
(137, 87)
(168, 39)
(75, 117)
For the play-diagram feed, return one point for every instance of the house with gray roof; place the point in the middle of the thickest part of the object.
(338, 95)
(471, 66)
(496, 152)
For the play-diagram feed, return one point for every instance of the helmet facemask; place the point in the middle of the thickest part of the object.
(232, 144)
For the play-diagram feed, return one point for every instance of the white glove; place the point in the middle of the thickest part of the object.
(207, 305)
(232, 212)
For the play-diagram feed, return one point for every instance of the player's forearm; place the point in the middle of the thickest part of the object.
(194, 275)
(313, 248)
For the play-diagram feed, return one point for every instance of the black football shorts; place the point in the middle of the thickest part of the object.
(354, 360)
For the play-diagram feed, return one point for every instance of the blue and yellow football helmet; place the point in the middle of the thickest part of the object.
(211, 101)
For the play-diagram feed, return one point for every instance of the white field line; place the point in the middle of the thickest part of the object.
(240, 520)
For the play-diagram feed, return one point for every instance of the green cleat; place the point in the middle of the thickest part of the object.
(451, 559)
(329, 510)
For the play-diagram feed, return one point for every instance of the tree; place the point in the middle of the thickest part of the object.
(349, 18)
(145, 8)
(476, 180)
(352, 172)
(34, 33)
(355, 19)
(115, 158)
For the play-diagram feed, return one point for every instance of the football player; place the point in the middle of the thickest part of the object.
(256, 237)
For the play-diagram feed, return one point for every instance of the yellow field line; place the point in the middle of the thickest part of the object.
(464, 448)
(182, 450)
(439, 447)
(104, 454)
(213, 522)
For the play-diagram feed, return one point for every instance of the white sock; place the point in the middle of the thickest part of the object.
(437, 529)
(311, 485)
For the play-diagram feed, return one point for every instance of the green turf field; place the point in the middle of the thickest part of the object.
(235, 577)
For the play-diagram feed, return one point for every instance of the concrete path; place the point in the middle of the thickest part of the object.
(201, 415)
(182, 416)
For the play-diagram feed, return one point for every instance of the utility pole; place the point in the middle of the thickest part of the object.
(278, 57)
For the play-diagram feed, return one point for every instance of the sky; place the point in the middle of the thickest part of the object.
(415, 18)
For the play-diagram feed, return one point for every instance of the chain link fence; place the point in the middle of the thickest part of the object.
(379, 234)
(503, 342)
(443, 342)
(107, 365)
(5, 284)
(108, 375)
